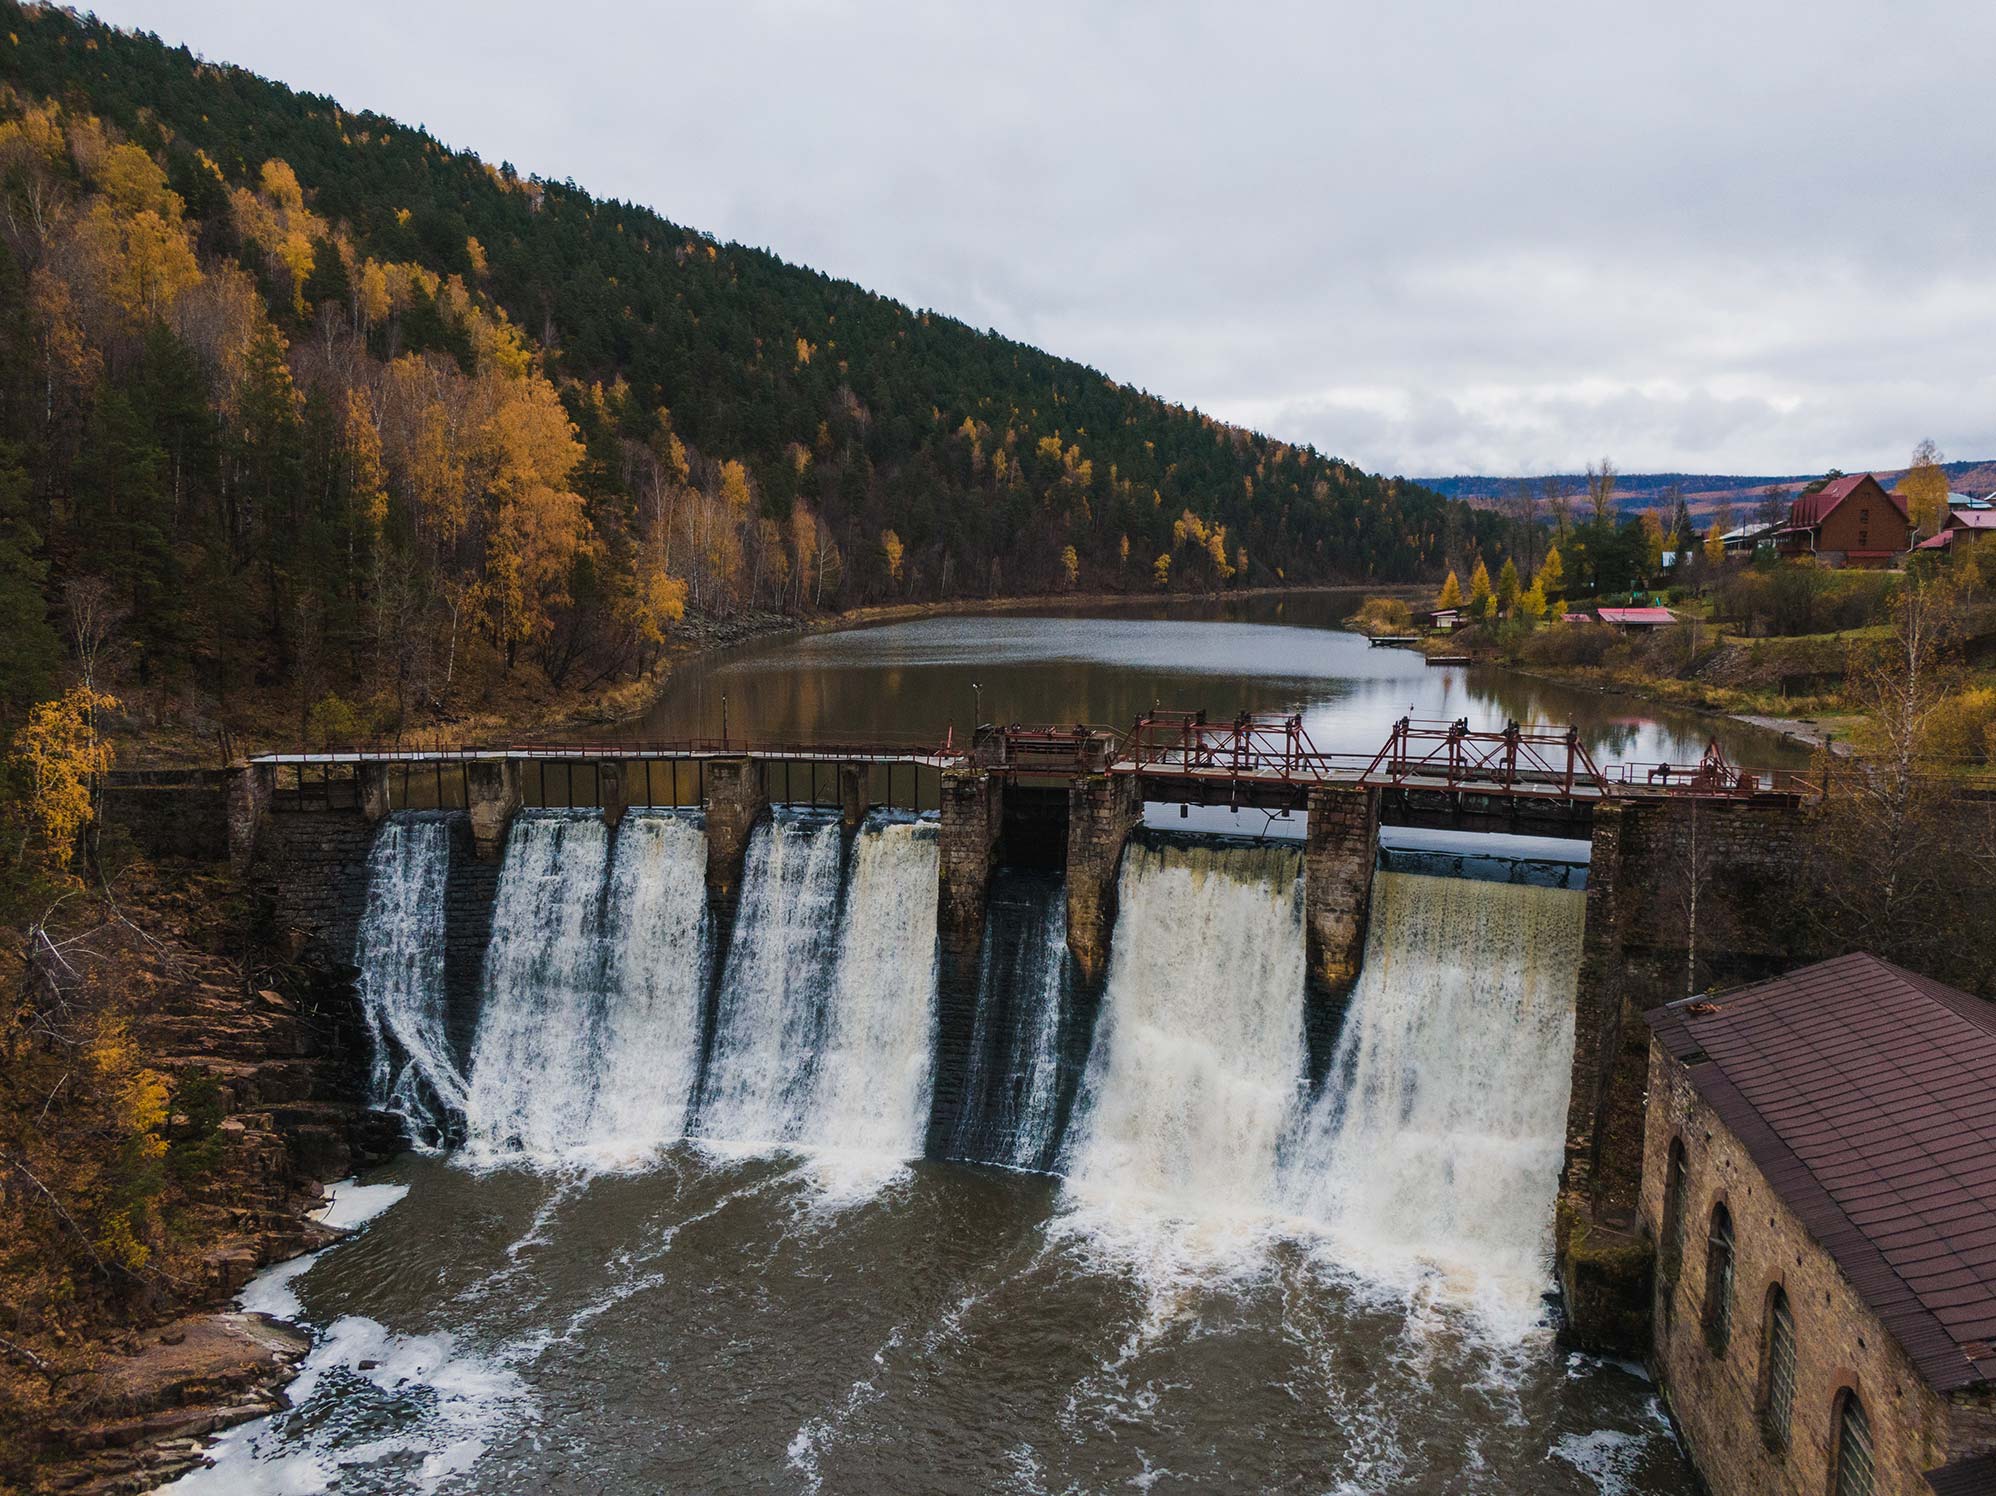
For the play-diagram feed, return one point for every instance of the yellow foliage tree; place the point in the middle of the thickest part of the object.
(1451, 595)
(1479, 587)
(1924, 488)
(62, 756)
(891, 551)
(1532, 602)
(1160, 569)
(1551, 580)
(1070, 565)
(1715, 546)
(735, 492)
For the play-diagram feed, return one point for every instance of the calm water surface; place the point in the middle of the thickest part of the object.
(1108, 665)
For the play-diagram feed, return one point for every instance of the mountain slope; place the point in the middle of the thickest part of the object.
(751, 434)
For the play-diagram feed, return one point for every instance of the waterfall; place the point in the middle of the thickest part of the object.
(655, 923)
(825, 1034)
(1435, 1147)
(770, 1019)
(588, 1040)
(1010, 1112)
(533, 1062)
(877, 1064)
(400, 954)
(1194, 1075)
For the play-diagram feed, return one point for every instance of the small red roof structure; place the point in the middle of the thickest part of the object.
(1938, 542)
(1862, 1092)
(1638, 618)
(1574, 618)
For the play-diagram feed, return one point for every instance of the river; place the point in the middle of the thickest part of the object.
(1232, 1277)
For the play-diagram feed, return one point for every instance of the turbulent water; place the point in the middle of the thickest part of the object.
(1235, 1282)
(400, 956)
(1434, 1151)
(1195, 1075)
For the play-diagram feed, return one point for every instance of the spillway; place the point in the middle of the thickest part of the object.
(589, 1035)
(870, 1092)
(771, 1012)
(400, 956)
(825, 1028)
(1194, 1077)
(1016, 1074)
(1435, 1146)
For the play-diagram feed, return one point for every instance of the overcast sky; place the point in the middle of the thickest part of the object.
(1432, 238)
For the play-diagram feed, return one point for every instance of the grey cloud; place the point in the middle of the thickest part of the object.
(1427, 237)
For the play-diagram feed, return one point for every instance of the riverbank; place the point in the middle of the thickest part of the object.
(234, 1085)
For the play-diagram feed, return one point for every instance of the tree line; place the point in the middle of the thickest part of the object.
(300, 404)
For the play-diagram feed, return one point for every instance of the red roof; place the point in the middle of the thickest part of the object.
(1863, 1093)
(1972, 519)
(1637, 615)
(1938, 542)
(1810, 509)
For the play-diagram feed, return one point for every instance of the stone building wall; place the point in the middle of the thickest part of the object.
(1839, 1343)
(1646, 855)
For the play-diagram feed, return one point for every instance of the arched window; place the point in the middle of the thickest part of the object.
(1853, 1449)
(1676, 1184)
(1778, 1376)
(1719, 1281)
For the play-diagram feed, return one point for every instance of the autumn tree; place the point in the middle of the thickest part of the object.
(1601, 478)
(1924, 489)
(1451, 595)
(891, 552)
(1551, 578)
(1479, 589)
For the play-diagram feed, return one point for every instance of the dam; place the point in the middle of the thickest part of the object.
(844, 1110)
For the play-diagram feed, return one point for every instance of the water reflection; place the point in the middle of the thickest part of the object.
(912, 681)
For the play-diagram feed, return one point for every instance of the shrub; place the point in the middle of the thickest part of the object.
(1963, 727)
(1382, 615)
(1571, 644)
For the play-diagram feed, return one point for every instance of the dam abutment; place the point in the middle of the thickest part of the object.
(972, 819)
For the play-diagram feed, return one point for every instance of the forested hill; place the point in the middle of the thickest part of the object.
(312, 401)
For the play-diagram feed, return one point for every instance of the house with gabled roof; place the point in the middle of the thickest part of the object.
(1849, 521)
(1819, 1176)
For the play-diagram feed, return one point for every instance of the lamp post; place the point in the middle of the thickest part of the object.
(977, 707)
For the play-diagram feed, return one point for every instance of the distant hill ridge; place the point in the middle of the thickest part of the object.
(1702, 491)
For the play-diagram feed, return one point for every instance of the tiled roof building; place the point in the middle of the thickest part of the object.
(1820, 1176)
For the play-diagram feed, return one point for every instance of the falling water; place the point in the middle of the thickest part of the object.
(655, 972)
(533, 1065)
(588, 1042)
(1434, 1150)
(771, 1016)
(871, 1090)
(1012, 1090)
(1198, 1055)
(400, 954)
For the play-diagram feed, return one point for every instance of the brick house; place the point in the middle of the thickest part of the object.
(1819, 1175)
(1847, 522)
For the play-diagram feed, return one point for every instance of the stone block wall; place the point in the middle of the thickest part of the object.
(1102, 810)
(736, 800)
(170, 812)
(1641, 931)
(1717, 1397)
(973, 813)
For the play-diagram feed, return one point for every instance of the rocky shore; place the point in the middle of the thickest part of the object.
(265, 1067)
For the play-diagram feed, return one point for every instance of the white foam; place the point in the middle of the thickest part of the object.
(350, 1204)
(447, 1404)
